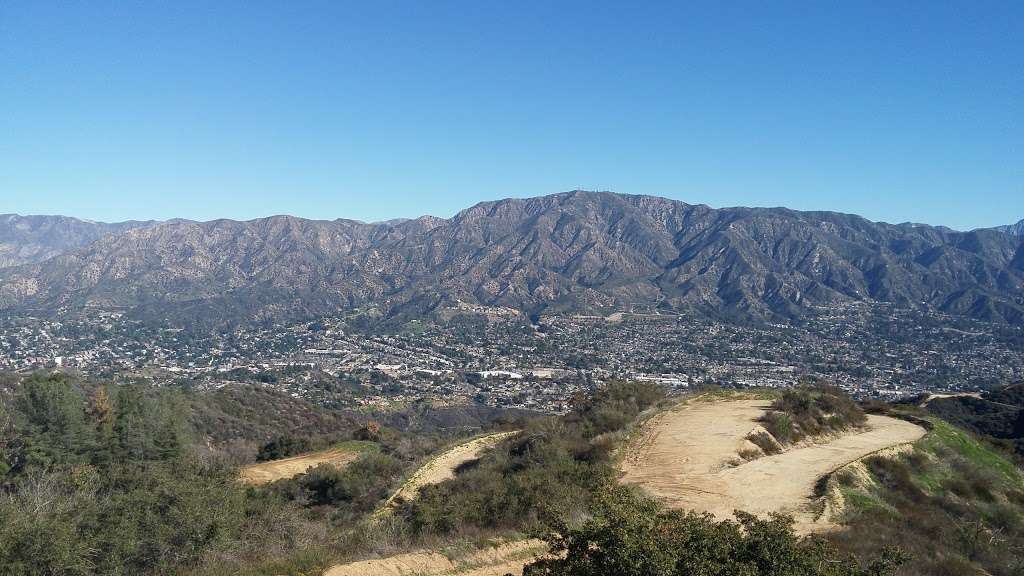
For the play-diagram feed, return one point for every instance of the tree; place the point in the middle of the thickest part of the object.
(147, 428)
(50, 419)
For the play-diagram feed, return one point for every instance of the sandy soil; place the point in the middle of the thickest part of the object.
(687, 458)
(443, 466)
(496, 561)
(265, 472)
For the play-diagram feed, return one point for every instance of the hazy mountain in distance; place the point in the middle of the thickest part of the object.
(589, 252)
(28, 239)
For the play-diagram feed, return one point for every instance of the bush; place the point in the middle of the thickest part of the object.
(282, 447)
(809, 411)
(132, 519)
(352, 491)
(631, 536)
(779, 425)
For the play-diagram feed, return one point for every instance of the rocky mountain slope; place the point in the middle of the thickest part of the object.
(569, 252)
(29, 239)
(1015, 229)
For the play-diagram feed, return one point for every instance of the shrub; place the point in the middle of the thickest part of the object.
(107, 484)
(954, 514)
(810, 411)
(352, 491)
(631, 536)
(780, 425)
(282, 447)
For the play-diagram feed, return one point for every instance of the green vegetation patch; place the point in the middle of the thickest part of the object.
(360, 446)
(860, 501)
(947, 436)
(549, 470)
(716, 394)
(952, 502)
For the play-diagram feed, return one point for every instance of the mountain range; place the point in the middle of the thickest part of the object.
(574, 252)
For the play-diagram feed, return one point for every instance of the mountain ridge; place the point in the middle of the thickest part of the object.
(1015, 229)
(569, 252)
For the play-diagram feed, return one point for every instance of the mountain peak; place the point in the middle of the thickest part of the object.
(1015, 229)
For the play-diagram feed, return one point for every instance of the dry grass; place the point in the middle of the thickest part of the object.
(266, 472)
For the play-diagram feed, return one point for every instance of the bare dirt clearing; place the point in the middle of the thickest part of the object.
(266, 472)
(687, 458)
(494, 561)
(443, 467)
(931, 397)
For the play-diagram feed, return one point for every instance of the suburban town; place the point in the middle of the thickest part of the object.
(501, 359)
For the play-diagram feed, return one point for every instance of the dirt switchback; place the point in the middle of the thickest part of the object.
(444, 465)
(688, 458)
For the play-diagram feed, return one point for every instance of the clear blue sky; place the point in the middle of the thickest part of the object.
(373, 110)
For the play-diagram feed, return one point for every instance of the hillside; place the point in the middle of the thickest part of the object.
(273, 470)
(997, 414)
(570, 252)
(104, 451)
(953, 503)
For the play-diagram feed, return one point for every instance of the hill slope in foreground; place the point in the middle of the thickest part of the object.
(688, 457)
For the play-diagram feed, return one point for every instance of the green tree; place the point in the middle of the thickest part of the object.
(149, 426)
(50, 420)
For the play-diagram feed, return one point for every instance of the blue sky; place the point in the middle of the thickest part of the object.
(374, 110)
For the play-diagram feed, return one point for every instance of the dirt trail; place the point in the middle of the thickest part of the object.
(496, 561)
(443, 466)
(266, 472)
(951, 395)
(686, 457)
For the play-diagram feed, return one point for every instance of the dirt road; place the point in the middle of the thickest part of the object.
(266, 472)
(443, 466)
(493, 561)
(687, 458)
